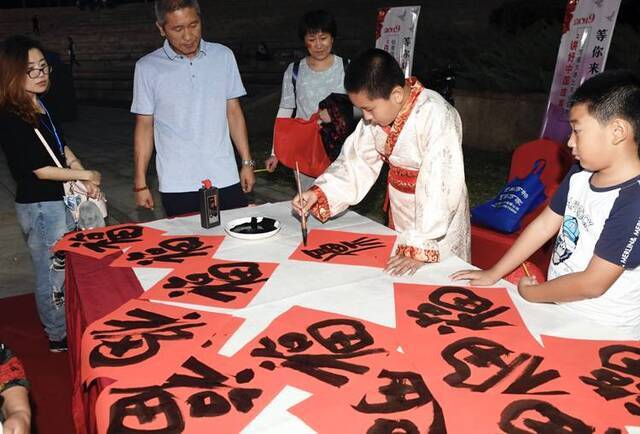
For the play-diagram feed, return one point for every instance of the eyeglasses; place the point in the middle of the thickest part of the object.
(35, 72)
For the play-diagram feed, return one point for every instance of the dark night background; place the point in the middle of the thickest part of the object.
(493, 45)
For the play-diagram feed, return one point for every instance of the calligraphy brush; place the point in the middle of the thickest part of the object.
(526, 270)
(303, 219)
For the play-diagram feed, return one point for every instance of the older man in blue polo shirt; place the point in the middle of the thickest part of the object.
(185, 97)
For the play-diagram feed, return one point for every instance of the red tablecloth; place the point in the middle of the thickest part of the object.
(93, 290)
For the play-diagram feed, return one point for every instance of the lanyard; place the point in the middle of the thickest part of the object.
(53, 129)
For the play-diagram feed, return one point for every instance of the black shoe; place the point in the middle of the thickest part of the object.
(58, 346)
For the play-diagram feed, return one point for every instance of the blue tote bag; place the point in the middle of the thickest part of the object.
(520, 196)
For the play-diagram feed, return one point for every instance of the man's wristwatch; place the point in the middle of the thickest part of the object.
(250, 163)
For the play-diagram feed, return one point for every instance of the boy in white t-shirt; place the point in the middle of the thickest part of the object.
(595, 212)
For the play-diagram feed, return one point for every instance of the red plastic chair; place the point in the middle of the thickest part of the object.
(487, 245)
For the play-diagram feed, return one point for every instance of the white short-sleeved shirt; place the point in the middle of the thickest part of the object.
(311, 87)
(188, 101)
(603, 222)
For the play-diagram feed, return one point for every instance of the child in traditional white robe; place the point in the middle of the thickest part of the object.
(419, 135)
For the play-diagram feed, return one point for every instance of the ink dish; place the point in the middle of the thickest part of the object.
(252, 228)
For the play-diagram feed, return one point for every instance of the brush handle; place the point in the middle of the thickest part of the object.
(303, 217)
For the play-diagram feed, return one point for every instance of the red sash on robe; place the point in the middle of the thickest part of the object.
(401, 179)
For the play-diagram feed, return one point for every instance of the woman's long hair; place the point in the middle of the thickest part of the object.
(14, 62)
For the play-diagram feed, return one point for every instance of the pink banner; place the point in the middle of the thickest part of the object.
(586, 35)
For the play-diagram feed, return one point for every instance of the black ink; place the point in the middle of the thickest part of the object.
(220, 281)
(263, 226)
(209, 402)
(633, 408)
(173, 251)
(484, 353)
(340, 340)
(345, 338)
(629, 365)
(529, 379)
(109, 239)
(396, 393)
(553, 420)
(295, 342)
(244, 376)
(405, 390)
(387, 426)
(268, 365)
(611, 381)
(475, 312)
(242, 399)
(327, 252)
(609, 384)
(133, 341)
(143, 407)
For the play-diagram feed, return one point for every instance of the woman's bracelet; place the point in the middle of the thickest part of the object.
(139, 189)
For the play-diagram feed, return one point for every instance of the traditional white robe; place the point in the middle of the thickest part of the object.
(433, 222)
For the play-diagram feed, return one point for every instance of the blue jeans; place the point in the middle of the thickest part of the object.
(43, 224)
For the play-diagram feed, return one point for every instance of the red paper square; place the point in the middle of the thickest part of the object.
(215, 282)
(170, 251)
(348, 248)
(101, 242)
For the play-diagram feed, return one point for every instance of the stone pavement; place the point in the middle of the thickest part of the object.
(102, 138)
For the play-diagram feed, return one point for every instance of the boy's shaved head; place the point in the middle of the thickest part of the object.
(375, 72)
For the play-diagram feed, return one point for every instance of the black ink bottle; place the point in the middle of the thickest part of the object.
(209, 205)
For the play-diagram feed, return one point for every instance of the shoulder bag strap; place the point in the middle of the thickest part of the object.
(294, 75)
(294, 79)
(47, 147)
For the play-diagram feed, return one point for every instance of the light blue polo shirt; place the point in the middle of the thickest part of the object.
(188, 101)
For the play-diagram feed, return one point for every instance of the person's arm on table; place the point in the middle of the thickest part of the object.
(16, 410)
(142, 151)
(399, 265)
(538, 232)
(238, 132)
(594, 281)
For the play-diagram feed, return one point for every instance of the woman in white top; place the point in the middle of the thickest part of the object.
(317, 75)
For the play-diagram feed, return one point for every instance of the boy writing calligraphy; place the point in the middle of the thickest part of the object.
(595, 212)
(418, 134)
